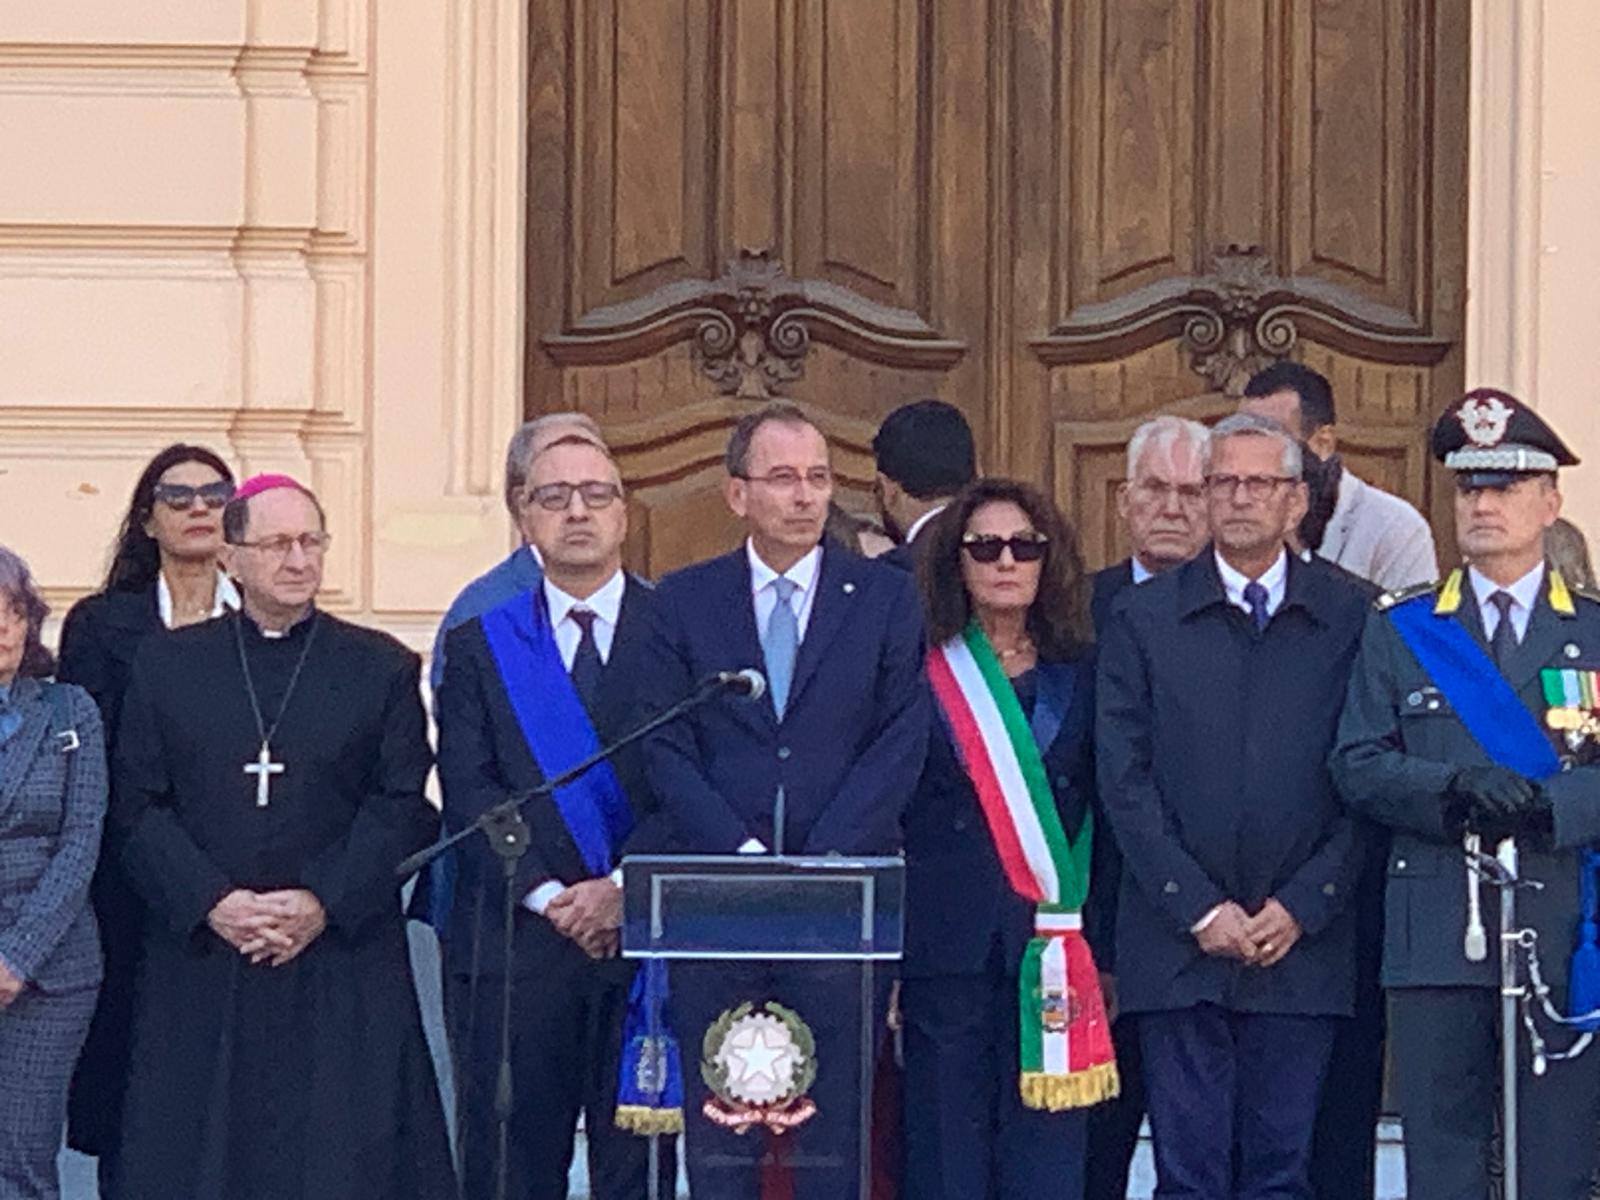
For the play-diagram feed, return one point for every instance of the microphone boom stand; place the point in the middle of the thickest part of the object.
(508, 838)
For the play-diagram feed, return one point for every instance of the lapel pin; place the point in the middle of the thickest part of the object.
(849, 588)
(1571, 650)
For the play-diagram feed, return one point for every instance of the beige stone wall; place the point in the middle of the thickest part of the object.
(289, 229)
(1533, 309)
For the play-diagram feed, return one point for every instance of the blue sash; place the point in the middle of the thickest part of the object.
(1510, 735)
(557, 728)
(596, 812)
(1486, 703)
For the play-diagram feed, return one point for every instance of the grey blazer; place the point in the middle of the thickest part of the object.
(52, 805)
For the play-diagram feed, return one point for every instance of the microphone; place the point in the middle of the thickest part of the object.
(748, 682)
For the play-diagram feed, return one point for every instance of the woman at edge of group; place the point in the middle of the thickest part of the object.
(163, 575)
(52, 806)
(1007, 1040)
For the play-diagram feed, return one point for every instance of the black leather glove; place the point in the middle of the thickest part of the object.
(1538, 815)
(1492, 795)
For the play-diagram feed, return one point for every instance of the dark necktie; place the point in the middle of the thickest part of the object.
(586, 664)
(1255, 595)
(1504, 640)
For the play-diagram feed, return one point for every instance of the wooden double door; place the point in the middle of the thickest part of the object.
(1063, 216)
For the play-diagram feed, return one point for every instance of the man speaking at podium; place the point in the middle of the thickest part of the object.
(824, 763)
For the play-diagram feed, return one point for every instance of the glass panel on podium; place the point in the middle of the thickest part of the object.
(778, 997)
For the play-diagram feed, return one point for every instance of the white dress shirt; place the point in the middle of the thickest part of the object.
(1140, 571)
(1524, 595)
(1275, 579)
(916, 526)
(224, 600)
(606, 604)
(803, 575)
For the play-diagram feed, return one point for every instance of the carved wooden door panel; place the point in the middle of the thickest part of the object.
(731, 199)
(1236, 182)
(1064, 216)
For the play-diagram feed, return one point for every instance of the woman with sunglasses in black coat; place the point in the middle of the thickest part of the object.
(163, 575)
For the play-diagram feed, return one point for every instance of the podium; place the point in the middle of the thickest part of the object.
(786, 917)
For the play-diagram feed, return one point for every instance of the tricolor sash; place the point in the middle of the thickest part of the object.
(1509, 734)
(1067, 1059)
(596, 812)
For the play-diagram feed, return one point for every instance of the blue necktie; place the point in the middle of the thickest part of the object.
(780, 642)
(1256, 597)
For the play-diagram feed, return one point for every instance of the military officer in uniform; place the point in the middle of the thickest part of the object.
(1466, 720)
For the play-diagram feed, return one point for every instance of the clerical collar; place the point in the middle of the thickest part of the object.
(295, 631)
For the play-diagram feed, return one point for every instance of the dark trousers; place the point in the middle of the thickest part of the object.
(1114, 1125)
(1344, 1154)
(968, 1135)
(824, 1154)
(1233, 1099)
(1446, 1044)
(566, 1047)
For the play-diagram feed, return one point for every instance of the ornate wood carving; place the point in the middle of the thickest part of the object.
(1237, 319)
(753, 327)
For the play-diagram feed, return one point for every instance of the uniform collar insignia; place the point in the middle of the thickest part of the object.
(1449, 600)
(1560, 595)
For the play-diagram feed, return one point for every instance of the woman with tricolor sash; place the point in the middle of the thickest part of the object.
(1007, 1042)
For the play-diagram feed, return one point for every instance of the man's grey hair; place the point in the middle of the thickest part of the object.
(1163, 434)
(519, 451)
(1251, 425)
(737, 458)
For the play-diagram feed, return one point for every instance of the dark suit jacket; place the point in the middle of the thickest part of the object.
(484, 759)
(1401, 741)
(1107, 586)
(99, 639)
(852, 741)
(906, 555)
(959, 904)
(1213, 745)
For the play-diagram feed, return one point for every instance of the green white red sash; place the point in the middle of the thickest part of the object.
(1067, 1059)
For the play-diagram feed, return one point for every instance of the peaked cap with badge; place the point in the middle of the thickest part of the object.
(1489, 438)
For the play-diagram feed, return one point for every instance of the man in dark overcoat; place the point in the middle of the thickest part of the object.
(1220, 685)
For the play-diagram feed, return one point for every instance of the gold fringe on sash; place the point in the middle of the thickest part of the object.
(1057, 1093)
(647, 1122)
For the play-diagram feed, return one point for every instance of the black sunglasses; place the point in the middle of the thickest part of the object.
(986, 547)
(181, 496)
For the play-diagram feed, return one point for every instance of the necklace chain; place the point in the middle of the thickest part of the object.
(250, 683)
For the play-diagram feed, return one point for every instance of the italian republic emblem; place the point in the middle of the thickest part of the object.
(759, 1064)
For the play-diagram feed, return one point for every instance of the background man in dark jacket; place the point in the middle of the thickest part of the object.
(924, 454)
(1220, 685)
(1162, 506)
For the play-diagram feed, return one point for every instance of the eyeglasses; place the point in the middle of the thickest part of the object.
(314, 545)
(555, 497)
(180, 497)
(986, 547)
(820, 478)
(1256, 487)
(1159, 491)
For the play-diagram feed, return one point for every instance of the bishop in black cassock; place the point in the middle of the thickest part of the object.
(261, 1073)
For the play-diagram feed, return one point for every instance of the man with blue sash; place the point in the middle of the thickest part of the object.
(1472, 717)
(531, 687)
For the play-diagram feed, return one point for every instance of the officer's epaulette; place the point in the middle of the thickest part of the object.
(1400, 595)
